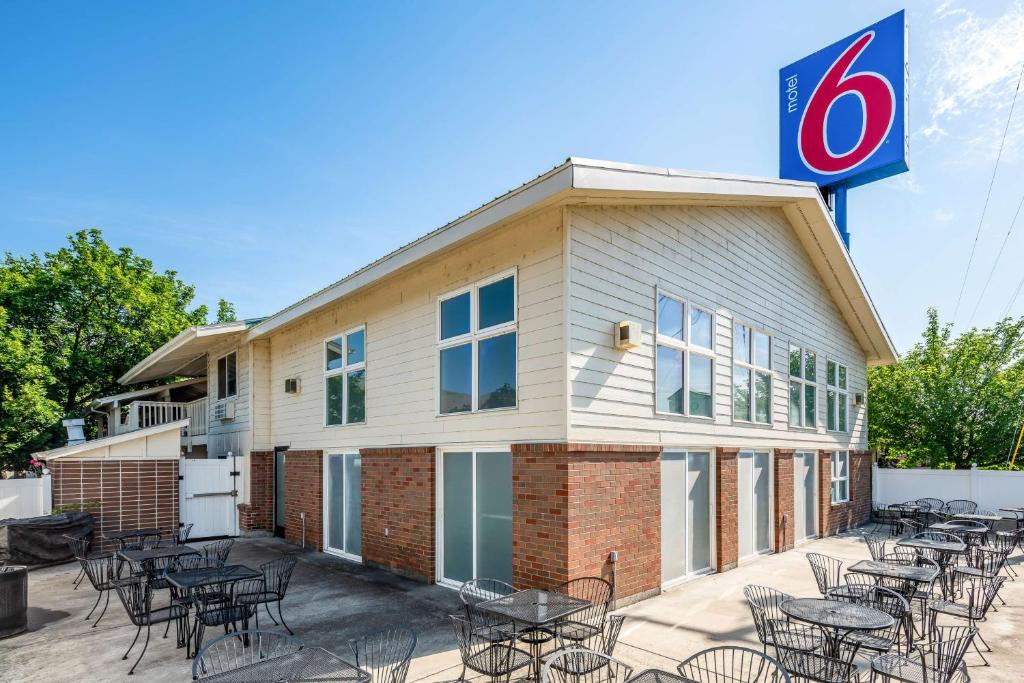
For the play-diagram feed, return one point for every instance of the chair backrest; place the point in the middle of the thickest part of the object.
(733, 664)
(988, 559)
(982, 592)
(826, 571)
(876, 546)
(218, 551)
(910, 526)
(484, 648)
(836, 665)
(944, 652)
(277, 574)
(960, 507)
(892, 603)
(235, 650)
(99, 570)
(79, 545)
(767, 599)
(385, 653)
(472, 593)
(1006, 541)
(579, 665)
(184, 531)
(940, 536)
(593, 589)
(934, 504)
(137, 598)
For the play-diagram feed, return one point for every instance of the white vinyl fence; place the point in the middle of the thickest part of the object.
(990, 489)
(21, 498)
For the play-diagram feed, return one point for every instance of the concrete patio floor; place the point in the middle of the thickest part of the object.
(331, 600)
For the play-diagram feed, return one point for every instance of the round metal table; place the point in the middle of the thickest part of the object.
(836, 616)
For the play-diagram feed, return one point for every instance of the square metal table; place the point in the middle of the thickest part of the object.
(147, 554)
(307, 664)
(536, 608)
(928, 544)
(123, 537)
(659, 676)
(978, 517)
(901, 572)
(189, 581)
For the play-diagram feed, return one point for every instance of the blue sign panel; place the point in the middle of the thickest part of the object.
(843, 109)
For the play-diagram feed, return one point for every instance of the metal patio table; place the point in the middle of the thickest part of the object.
(947, 547)
(901, 572)
(189, 581)
(836, 616)
(121, 536)
(536, 608)
(307, 664)
(954, 528)
(659, 676)
(147, 554)
(989, 520)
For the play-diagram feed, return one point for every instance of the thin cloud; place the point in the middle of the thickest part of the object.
(943, 216)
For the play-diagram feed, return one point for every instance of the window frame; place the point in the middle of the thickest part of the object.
(791, 378)
(224, 357)
(474, 337)
(345, 370)
(840, 395)
(834, 460)
(686, 347)
(753, 368)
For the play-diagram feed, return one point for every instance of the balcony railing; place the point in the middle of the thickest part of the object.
(143, 414)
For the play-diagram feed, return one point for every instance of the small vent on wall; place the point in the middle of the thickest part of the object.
(292, 386)
(627, 334)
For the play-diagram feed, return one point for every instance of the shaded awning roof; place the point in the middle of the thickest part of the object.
(185, 355)
(141, 393)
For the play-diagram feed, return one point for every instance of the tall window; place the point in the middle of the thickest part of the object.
(477, 347)
(840, 477)
(751, 374)
(803, 392)
(685, 358)
(837, 396)
(345, 378)
(227, 376)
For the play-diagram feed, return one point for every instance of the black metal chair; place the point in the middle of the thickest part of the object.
(80, 548)
(385, 653)
(974, 609)
(952, 508)
(982, 562)
(765, 607)
(1004, 542)
(217, 552)
(876, 546)
(487, 653)
(834, 666)
(731, 664)
(856, 588)
(883, 640)
(473, 592)
(211, 614)
(934, 505)
(941, 660)
(909, 527)
(603, 642)
(101, 570)
(269, 589)
(589, 622)
(137, 598)
(826, 571)
(579, 665)
(184, 531)
(236, 650)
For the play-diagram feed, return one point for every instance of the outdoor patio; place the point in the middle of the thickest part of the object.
(331, 600)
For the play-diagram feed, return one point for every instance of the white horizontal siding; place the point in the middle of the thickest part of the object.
(401, 351)
(224, 436)
(743, 264)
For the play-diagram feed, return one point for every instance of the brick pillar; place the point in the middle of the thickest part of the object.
(726, 510)
(861, 472)
(258, 512)
(784, 506)
(398, 495)
(303, 494)
(540, 515)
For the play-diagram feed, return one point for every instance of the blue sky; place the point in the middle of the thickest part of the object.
(264, 150)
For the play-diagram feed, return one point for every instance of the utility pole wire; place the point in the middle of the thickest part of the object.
(998, 256)
(988, 195)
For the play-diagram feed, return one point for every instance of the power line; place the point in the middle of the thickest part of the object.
(988, 195)
(999, 255)
(1013, 299)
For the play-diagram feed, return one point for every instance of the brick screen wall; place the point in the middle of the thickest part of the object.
(540, 515)
(303, 493)
(132, 494)
(726, 510)
(784, 504)
(258, 512)
(835, 518)
(398, 494)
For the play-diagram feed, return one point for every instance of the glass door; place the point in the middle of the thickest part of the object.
(344, 505)
(805, 496)
(685, 514)
(279, 491)
(475, 516)
(754, 502)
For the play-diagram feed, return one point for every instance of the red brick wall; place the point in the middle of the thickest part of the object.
(540, 515)
(131, 493)
(784, 505)
(835, 518)
(258, 512)
(398, 493)
(303, 493)
(726, 509)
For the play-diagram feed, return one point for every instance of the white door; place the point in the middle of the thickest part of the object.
(208, 496)
(754, 502)
(805, 495)
(685, 514)
(343, 527)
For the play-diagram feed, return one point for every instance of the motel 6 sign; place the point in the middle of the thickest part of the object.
(843, 109)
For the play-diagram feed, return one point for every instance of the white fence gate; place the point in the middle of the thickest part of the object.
(23, 498)
(208, 491)
(990, 489)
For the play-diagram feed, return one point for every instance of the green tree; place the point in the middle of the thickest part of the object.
(95, 312)
(950, 402)
(226, 311)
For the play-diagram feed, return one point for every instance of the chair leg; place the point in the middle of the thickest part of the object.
(99, 595)
(103, 611)
(281, 617)
(78, 579)
(270, 614)
(138, 630)
(982, 639)
(144, 646)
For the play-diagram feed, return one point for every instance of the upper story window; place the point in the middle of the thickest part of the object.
(345, 378)
(685, 341)
(477, 347)
(227, 376)
(837, 396)
(803, 390)
(840, 477)
(751, 374)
